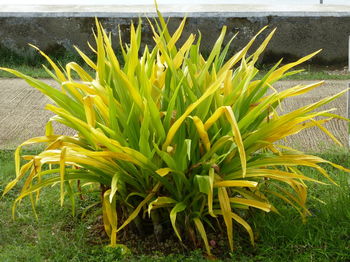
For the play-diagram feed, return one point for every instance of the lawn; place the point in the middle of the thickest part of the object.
(58, 236)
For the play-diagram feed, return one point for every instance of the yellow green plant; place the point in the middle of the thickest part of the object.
(171, 136)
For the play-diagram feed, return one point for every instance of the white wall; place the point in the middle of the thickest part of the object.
(150, 2)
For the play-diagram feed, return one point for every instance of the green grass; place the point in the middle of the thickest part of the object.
(30, 62)
(33, 71)
(325, 236)
(31, 65)
(319, 75)
(316, 73)
(58, 236)
(36, 72)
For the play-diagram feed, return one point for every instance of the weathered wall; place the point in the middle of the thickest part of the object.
(296, 36)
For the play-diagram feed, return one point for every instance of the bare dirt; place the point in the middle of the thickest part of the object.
(22, 114)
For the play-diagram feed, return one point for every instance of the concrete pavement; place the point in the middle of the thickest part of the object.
(178, 9)
(22, 114)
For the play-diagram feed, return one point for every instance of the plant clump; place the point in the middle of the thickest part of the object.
(170, 137)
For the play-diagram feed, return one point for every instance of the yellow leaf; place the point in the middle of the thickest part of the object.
(176, 35)
(163, 171)
(279, 72)
(327, 132)
(201, 230)
(202, 132)
(89, 110)
(253, 203)
(137, 210)
(238, 139)
(86, 58)
(160, 202)
(236, 183)
(245, 225)
(179, 207)
(210, 194)
(62, 171)
(181, 53)
(58, 72)
(173, 129)
(226, 213)
(110, 219)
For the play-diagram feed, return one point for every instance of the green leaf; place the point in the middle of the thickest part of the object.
(179, 207)
(114, 186)
(203, 183)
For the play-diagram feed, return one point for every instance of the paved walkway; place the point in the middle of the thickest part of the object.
(22, 115)
(112, 8)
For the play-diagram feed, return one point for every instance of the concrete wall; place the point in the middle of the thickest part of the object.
(298, 32)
